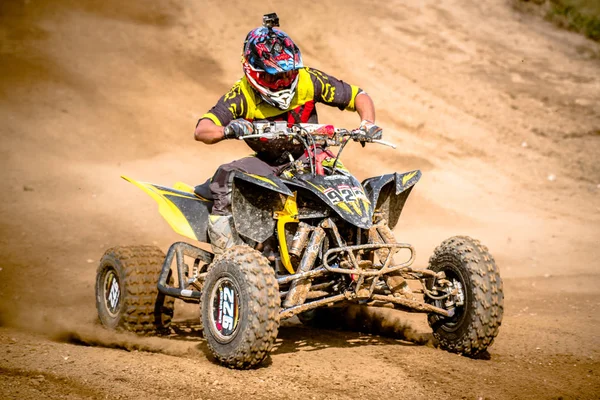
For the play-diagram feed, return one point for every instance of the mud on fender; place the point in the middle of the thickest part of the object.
(389, 193)
(253, 200)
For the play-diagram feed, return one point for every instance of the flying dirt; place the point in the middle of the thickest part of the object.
(497, 109)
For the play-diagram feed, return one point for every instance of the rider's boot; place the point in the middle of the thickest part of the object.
(221, 233)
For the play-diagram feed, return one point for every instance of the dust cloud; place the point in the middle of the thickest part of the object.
(59, 328)
(99, 337)
(376, 321)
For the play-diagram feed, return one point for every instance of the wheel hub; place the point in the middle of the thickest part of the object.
(455, 301)
(112, 293)
(457, 295)
(225, 303)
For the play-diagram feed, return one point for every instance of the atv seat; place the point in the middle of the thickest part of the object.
(204, 191)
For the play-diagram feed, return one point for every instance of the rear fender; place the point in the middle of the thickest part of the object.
(254, 199)
(389, 193)
(184, 211)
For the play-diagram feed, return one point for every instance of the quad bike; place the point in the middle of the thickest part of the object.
(316, 239)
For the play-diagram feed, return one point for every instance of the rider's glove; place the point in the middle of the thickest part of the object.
(238, 128)
(368, 131)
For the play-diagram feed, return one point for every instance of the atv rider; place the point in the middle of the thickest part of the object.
(275, 87)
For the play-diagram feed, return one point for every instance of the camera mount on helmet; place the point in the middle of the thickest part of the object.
(270, 21)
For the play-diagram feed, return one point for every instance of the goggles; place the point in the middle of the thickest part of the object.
(281, 80)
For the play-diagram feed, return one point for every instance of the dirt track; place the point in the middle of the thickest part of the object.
(499, 110)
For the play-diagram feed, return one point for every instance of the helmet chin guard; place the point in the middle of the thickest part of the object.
(281, 98)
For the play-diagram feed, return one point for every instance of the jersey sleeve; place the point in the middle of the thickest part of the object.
(332, 91)
(230, 106)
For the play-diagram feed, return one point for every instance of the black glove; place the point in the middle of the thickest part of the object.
(367, 132)
(238, 128)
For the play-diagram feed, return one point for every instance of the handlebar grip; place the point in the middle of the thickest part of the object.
(228, 133)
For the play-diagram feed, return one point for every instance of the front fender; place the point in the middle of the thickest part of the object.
(254, 198)
(389, 193)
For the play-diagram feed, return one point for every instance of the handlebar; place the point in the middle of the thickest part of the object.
(320, 134)
(384, 143)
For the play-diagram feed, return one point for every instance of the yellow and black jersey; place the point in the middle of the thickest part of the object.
(314, 86)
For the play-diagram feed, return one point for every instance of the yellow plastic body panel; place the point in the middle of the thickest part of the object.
(289, 214)
(171, 212)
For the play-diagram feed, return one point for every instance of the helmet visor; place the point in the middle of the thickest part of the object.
(278, 81)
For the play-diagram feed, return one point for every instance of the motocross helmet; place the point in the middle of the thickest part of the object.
(271, 62)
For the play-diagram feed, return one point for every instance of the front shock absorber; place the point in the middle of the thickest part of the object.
(381, 233)
(300, 287)
(300, 239)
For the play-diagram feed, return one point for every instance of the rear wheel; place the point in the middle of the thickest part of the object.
(127, 296)
(475, 278)
(240, 308)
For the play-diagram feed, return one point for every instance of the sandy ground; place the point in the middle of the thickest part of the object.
(498, 109)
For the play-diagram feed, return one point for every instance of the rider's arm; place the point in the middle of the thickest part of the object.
(334, 92)
(208, 132)
(365, 107)
(210, 128)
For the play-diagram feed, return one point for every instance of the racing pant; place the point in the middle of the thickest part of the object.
(221, 184)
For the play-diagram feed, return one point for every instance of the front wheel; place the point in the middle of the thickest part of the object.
(476, 299)
(240, 308)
